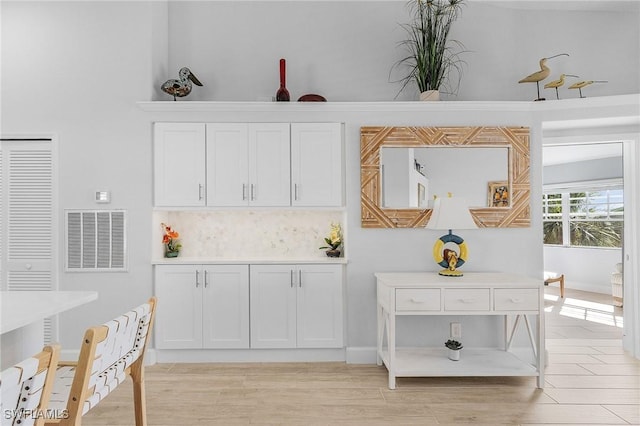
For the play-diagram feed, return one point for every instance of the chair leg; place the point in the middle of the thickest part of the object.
(139, 393)
(562, 286)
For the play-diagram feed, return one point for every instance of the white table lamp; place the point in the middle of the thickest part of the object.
(450, 213)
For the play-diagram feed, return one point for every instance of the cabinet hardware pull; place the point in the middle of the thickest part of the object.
(200, 186)
(295, 191)
(244, 192)
(414, 300)
(291, 278)
(467, 300)
(515, 300)
(197, 278)
(253, 192)
(206, 281)
(299, 277)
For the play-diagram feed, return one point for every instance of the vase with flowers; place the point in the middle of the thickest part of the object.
(170, 240)
(333, 241)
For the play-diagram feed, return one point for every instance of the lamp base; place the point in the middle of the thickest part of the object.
(450, 273)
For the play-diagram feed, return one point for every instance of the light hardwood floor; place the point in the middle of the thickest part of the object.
(589, 380)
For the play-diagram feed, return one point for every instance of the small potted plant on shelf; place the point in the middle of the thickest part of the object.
(170, 240)
(454, 349)
(333, 241)
(430, 54)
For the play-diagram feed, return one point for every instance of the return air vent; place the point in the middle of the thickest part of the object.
(96, 240)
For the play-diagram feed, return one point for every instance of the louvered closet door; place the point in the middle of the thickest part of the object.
(27, 196)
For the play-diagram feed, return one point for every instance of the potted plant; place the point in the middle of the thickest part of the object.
(333, 241)
(454, 349)
(430, 54)
(170, 240)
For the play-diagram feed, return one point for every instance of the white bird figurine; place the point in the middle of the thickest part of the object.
(538, 76)
(579, 85)
(182, 86)
(558, 83)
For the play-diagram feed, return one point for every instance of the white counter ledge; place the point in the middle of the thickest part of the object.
(249, 261)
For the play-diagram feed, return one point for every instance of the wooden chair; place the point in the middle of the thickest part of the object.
(109, 353)
(26, 388)
(553, 277)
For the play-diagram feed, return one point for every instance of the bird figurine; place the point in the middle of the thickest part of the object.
(579, 85)
(538, 76)
(558, 83)
(182, 86)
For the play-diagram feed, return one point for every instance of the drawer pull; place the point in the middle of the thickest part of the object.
(515, 300)
(416, 300)
(467, 300)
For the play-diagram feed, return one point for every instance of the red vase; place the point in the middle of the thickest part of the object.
(282, 95)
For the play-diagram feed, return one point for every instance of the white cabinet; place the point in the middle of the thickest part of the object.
(316, 164)
(296, 306)
(248, 164)
(179, 164)
(202, 306)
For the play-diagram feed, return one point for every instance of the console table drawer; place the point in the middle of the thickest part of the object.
(510, 299)
(464, 299)
(417, 299)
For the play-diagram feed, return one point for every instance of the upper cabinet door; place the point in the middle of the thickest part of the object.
(227, 164)
(316, 164)
(269, 164)
(179, 164)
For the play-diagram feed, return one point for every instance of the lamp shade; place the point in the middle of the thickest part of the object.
(450, 213)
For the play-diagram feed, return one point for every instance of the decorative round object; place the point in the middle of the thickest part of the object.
(312, 98)
(438, 250)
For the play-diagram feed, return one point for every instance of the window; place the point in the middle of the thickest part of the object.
(588, 218)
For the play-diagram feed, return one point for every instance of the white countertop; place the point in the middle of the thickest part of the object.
(21, 308)
(249, 261)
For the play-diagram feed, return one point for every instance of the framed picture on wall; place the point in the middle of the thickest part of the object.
(498, 194)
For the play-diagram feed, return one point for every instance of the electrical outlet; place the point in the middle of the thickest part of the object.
(456, 330)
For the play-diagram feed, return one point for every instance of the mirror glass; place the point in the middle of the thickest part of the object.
(411, 176)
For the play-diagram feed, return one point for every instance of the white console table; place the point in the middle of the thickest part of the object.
(480, 293)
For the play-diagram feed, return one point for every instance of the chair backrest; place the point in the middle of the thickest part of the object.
(108, 354)
(26, 387)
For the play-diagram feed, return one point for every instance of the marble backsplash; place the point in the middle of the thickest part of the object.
(248, 233)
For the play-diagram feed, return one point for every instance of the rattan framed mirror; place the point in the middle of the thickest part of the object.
(515, 139)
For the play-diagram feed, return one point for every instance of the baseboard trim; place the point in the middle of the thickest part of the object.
(249, 355)
(362, 355)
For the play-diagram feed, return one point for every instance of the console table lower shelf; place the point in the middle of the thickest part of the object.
(433, 362)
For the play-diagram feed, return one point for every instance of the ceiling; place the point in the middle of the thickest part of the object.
(561, 154)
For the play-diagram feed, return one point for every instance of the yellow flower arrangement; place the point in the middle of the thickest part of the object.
(334, 240)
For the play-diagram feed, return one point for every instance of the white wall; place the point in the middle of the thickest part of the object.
(76, 69)
(345, 50)
(586, 269)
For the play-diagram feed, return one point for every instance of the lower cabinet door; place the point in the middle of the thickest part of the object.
(273, 306)
(225, 306)
(319, 306)
(178, 322)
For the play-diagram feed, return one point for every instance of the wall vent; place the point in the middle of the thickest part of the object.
(96, 240)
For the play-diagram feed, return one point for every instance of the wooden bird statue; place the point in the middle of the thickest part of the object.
(558, 83)
(182, 86)
(538, 76)
(579, 85)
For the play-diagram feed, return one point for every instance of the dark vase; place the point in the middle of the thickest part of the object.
(282, 95)
(333, 253)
